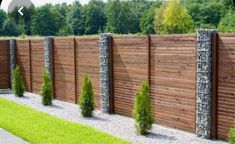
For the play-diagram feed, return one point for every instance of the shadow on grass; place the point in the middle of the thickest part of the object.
(160, 136)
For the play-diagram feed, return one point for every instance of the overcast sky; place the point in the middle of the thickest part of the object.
(5, 3)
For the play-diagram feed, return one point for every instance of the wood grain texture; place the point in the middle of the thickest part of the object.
(37, 64)
(87, 62)
(22, 60)
(172, 76)
(130, 67)
(226, 84)
(64, 69)
(4, 64)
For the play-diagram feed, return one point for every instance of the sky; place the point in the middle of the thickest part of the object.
(37, 3)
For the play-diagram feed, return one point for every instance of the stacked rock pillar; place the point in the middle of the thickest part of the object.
(105, 68)
(204, 81)
(12, 58)
(48, 58)
(48, 54)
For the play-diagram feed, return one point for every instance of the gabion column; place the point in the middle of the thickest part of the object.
(12, 58)
(48, 54)
(203, 101)
(104, 72)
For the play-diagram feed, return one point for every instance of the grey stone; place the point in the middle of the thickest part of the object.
(48, 54)
(104, 72)
(12, 57)
(203, 101)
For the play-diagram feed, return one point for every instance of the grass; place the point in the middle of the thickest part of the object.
(231, 137)
(40, 128)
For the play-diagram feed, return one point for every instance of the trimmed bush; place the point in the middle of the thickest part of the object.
(231, 136)
(143, 110)
(46, 89)
(86, 99)
(18, 84)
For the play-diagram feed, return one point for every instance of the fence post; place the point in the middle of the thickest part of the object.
(12, 58)
(30, 67)
(48, 54)
(204, 83)
(105, 67)
(48, 57)
(214, 80)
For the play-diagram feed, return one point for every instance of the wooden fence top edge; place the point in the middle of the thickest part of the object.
(114, 35)
(226, 34)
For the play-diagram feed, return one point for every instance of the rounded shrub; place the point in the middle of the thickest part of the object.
(86, 99)
(46, 89)
(18, 84)
(143, 110)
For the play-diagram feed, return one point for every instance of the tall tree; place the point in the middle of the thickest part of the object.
(227, 23)
(176, 18)
(75, 19)
(95, 18)
(206, 12)
(10, 28)
(158, 20)
(43, 22)
(147, 21)
(3, 17)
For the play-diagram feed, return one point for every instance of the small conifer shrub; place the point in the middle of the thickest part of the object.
(18, 84)
(143, 110)
(46, 89)
(86, 99)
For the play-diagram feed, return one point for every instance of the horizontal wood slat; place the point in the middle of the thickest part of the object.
(226, 85)
(87, 62)
(64, 69)
(37, 62)
(22, 60)
(4, 64)
(172, 76)
(130, 67)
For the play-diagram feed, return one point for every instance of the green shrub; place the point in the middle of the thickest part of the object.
(143, 110)
(86, 99)
(231, 136)
(18, 84)
(46, 89)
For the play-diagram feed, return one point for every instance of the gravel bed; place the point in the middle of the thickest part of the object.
(114, 124)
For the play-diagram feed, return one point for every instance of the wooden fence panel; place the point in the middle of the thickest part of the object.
(64, 69)
(226, 85)
(87, 62)
(130, 67)
(37, 64)
(173, 80)
(22, 60)
(4, 64)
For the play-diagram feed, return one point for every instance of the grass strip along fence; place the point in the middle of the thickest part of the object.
(37, 127)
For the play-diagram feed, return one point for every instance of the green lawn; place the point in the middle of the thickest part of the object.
(37, 127)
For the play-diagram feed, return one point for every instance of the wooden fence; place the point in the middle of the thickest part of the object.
(4, 64)
(167, 63)
(226, 84)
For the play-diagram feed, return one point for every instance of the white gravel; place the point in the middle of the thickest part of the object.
(114, 124)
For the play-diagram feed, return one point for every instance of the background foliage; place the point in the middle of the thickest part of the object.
(121, 17)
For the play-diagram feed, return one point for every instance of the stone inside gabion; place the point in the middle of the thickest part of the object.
(104, 72)
(203, 106)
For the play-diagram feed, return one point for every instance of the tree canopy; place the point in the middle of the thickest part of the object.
(121, 17)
